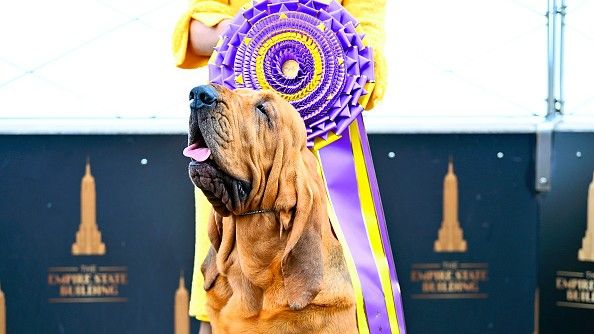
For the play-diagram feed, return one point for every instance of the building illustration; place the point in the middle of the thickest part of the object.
(181, 307)
(586, 253)
(450, 237)
(2, 313)
(88, 236)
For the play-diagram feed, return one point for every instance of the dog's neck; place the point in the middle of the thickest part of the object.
(258, 239)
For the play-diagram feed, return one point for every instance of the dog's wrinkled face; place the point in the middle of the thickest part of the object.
(234, 140)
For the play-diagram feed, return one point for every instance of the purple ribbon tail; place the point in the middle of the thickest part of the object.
(339, 170)
(379, 209)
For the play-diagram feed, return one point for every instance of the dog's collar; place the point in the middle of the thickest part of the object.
(255, 212)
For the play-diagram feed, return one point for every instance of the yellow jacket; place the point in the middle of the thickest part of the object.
(369, 13)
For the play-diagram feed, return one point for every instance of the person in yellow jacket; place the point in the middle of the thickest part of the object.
(194, 38)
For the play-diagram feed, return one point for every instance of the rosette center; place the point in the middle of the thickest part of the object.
(290, 69)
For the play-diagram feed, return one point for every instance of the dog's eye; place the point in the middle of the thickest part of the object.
(260, 108)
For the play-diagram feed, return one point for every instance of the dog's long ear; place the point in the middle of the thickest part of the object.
(215, 229)
(222, 238)
(302, 264)
(209, 269)
(209, 265)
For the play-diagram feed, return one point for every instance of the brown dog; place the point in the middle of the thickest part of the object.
(275, 265)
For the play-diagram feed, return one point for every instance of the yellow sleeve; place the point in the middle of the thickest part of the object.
(209, 12)
(370, 14)
(197, 294)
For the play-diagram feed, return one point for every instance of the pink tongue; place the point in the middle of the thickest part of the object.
(197, 153)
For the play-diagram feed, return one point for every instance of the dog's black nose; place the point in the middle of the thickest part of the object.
(203, 97)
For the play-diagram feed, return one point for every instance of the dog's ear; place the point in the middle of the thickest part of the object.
(221, 233)
(209, 269)
(224, 258)
(209, 265)
(215, 229)
(302, 264)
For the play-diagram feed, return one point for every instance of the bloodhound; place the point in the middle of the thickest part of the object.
(275, 265)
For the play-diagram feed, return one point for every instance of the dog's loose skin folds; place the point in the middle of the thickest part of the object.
(280, 271)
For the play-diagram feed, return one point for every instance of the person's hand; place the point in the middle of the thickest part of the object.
(205, 328)
(203, 38)
(380, 82)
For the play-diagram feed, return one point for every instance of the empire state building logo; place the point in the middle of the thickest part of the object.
(586, 253)
(450, 237)
(88, 237)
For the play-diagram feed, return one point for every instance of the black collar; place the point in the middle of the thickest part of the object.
(255, 212)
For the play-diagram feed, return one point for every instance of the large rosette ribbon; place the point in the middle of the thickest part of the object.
(310, 52)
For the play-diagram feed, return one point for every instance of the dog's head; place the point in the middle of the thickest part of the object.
(236, 139)
(249, 152)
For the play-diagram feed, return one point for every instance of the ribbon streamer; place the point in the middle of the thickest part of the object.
(381, 219)
(340, 174)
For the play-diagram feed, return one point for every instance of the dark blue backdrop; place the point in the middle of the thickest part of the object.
(145, 215)
(497, 211)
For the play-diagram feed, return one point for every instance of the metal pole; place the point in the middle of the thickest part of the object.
(551, 14)
(546, 129)
(561, 63)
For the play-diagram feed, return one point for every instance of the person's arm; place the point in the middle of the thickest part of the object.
(197, 31)
(371, 14)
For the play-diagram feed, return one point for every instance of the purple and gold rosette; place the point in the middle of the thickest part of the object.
(307, 51)
(312, 54)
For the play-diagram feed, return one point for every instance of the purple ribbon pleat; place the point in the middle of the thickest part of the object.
(339, 170)
(381, 218)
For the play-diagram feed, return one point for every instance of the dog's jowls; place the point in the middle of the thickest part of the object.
(277, 271)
